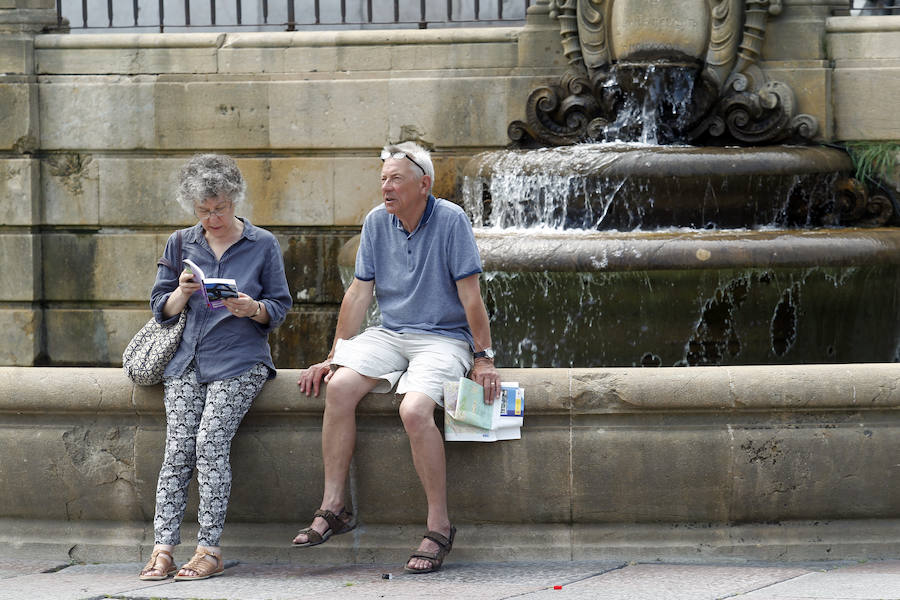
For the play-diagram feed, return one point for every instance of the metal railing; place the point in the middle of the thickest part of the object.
(82, 16)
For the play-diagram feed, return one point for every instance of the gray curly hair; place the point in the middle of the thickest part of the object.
(208, 176)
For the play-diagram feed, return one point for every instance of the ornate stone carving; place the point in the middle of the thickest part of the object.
(860, 207)
(717, 92)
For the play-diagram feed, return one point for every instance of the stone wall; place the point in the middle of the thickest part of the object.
(94, 128)
(788, 463)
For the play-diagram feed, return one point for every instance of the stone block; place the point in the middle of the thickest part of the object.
(125, 61)
(260, 486)
(860, 97)
(502, 55)
(866, 38)
(280, 191)
(20, 336)
(461, 111)
(18, 120)
(129, 53)
(663, 471)
(290, 191)
(540, 46)
(19, 191)
(357, 188)
(20, 276)
(91, 336)
(141, 191)
(329, 114)
(74, 471)
(869, 46)
(113, 267)
(501, 482)
(251, 60)
(822, 468)
(70, 189)
(124, 106)
(212, 115)
(16, 53)
(795, 38)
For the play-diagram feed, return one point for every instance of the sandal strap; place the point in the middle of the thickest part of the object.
(432, 556)
(151, 564)
(312, 536)
(198, 563)
(164, 553)
(336, 524)
(438, 538)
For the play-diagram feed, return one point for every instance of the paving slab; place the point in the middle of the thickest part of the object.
(672, 582)
(867, 581)
(12, 567)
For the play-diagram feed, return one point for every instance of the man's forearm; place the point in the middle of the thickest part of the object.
(353, 310)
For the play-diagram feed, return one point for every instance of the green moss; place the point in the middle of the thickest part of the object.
(874, 160)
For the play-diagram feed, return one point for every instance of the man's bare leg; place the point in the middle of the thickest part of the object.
(427, 445)
(343, 394)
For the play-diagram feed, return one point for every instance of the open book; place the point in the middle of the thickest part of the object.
(468, 419)
(213, 289)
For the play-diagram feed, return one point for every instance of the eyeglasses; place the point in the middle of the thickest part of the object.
(204, 214)
(386, 155)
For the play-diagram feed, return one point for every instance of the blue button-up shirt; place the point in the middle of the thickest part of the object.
(220, 344)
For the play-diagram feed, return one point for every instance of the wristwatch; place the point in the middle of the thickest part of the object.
(486, 353)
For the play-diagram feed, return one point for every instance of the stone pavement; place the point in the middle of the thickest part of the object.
(595, 580)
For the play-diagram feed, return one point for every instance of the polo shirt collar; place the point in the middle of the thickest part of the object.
(429, 209)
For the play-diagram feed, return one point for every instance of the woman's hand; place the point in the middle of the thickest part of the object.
(178, 299)
(314, 376)
(186, 284)
(242, 306)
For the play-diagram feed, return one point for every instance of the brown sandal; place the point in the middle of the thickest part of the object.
(151, 567)
(336, 526)
(202, 567)
(436, 558)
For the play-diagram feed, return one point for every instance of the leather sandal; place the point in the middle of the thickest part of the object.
(336, 526)
(202, 567)
(163, 556)
(436, 558)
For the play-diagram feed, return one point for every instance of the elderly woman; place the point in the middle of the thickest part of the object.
(223, 359)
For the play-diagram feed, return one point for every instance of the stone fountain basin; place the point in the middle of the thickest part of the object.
(678, 297)
(593, 251)
(630, 186)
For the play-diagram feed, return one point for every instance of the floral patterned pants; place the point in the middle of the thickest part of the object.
(201, 420)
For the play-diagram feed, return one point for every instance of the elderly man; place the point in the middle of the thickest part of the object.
(418, 255)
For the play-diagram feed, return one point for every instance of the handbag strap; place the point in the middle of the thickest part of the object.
(165, 261)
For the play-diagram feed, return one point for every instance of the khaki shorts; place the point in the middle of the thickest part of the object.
(414, 362)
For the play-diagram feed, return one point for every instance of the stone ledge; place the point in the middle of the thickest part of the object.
(107, 541)
(870, 24)
(279, 39)
(61, 390)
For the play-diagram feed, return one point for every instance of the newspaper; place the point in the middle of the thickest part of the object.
(465, 410)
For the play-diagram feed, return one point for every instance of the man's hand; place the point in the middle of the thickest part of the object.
(485, 375)
(314, 376)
